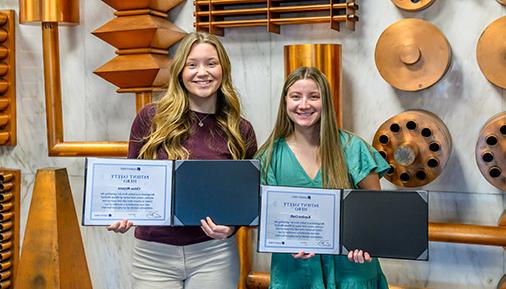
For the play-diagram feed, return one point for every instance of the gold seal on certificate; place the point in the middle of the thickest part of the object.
(137, 190)
(294, 219)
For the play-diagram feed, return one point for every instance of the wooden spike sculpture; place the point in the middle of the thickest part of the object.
(143, 35)
(52, 255)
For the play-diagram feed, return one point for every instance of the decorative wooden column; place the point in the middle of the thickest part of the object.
(53, 253)
(143, 35)
(7, 79)
(9, 225)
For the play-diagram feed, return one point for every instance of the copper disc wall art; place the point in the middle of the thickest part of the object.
(491, 52)
(412, 54)
(412, 5)
(490, 151)
(417, 145)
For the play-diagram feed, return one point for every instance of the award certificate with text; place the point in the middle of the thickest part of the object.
(294, 219)
(137, 190)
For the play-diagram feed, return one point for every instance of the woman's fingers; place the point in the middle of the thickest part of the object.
(120, 226)
(303, 255)
(214, 231)
(359, 256)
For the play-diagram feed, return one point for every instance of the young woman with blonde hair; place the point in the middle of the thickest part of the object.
(306, 149)
(198, 118)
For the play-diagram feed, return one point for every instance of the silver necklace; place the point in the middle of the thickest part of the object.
(201, 120)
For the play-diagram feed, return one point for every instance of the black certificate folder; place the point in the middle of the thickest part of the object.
(225, 190)
(391, 224)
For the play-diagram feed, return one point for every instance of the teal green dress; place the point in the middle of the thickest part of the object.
(324, 271)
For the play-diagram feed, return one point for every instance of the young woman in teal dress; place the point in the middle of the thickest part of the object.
(306, 149)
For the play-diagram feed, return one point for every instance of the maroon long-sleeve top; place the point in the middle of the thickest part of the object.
(206, 142)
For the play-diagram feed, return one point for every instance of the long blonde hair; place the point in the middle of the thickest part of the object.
(171, 123)
(333, 166)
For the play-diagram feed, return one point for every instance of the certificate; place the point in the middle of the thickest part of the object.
(295, 219)
(137, 190)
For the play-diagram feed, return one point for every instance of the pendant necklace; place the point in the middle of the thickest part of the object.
(201, 120)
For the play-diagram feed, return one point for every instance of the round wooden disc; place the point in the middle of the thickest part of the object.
(412, 54)
(491, 52)
(412, 5)
(417, 145)
(490, 151)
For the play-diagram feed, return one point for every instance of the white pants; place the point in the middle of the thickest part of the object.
(212, 264)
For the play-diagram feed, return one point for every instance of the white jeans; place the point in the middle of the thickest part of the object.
(212, 264)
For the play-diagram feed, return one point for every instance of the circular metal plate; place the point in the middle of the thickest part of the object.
(412, 5)
(490, 151)
(491, 52)
(412, 54)
(417, 145)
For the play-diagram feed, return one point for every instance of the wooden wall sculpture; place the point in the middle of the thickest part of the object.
(412, 54)
(9, 225)
(143, 35)
(491, 52)
(214, 15)
(490, 151)
(417, 145)
(413, 5)
(56, 12)
(327, 58)
(53, 253)
(7, 79)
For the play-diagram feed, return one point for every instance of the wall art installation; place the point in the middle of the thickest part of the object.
(327, 58)
(413, 5)
(143, 35)
(58, 12)
(9, 225)
(53, 254)
(412, 54)
(214, 15)
(491, 52)
(7, 79)
(417, 145)
(503, 2)
(490, 151)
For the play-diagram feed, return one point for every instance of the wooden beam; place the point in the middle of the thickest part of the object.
(53, 254)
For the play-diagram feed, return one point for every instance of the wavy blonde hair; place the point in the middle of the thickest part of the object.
(171, 123)
(333, 166)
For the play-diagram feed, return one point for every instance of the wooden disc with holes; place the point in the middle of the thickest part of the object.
(491, 52)
(490, 151)
(412, 5)
(412, 54)
(416, 144)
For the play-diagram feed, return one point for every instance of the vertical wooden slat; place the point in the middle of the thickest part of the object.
(10, 190)
(8, 78)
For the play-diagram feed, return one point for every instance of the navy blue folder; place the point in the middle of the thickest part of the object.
(228, 191)
(391, 224)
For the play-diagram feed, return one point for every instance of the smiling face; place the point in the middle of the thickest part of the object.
(304, 104)
(202, 76)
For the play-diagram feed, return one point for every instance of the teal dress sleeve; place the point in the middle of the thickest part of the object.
(361, 158)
